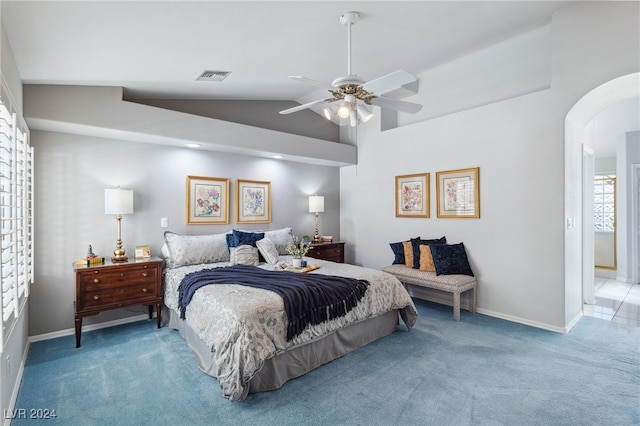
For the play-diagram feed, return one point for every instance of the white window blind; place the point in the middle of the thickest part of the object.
(16, 214)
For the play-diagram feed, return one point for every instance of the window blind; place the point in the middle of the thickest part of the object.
(16, 214)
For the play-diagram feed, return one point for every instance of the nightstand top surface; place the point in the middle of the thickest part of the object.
(108, 262)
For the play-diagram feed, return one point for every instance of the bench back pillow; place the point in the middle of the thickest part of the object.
(450, 259)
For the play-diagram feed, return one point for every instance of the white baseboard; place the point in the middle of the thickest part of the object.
(90, 327)
(445, 298)
(16, 388)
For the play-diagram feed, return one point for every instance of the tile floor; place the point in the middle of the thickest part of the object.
(615, 301)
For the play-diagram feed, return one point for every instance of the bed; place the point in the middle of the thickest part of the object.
(238, 333)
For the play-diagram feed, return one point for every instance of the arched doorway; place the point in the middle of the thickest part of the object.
(578, 231)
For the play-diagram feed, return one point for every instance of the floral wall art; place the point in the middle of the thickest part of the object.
(207, 200)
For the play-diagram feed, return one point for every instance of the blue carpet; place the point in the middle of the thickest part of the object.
(480, 371)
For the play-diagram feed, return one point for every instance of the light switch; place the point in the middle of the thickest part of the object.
(164, 222)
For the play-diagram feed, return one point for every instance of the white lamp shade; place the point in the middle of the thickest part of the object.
(316, 204)
(118, 201)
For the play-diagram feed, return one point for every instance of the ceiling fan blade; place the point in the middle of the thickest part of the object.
(301, 107)
(311, 81)
(403, 106)
(389, 82)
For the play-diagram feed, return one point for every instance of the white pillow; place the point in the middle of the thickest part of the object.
(243, 255)
(280, 239)
(268, 250)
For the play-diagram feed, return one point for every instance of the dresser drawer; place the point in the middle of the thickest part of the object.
(96, 279)
(119, 295)
(333, 252)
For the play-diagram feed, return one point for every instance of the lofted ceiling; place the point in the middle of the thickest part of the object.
(157, 49)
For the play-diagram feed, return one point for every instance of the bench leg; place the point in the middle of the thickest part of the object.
(472, 301)
(456, 306)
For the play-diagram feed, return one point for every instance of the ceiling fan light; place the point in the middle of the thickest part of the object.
(327, 113)
(365, 113)
(344, 111)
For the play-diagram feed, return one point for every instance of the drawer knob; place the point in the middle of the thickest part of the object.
(145, 274)
(96, 280)
(144, 290)
(96, 297)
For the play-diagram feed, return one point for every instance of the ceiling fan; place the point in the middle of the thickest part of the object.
(351, 95)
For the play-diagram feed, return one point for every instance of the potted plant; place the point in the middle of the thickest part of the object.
(297, 248)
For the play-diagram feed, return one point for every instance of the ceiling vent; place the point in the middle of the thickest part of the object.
(213, 75)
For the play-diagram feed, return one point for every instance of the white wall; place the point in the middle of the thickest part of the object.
(72, 172)
(628, 155)
(517, 246)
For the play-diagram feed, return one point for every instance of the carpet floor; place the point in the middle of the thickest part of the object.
(480, 371)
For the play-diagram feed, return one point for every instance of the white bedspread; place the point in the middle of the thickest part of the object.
(243, 326)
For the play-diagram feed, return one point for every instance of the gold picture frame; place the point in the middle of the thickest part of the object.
(207, 200)
(253, 201)
(412, 195)
(458, 193)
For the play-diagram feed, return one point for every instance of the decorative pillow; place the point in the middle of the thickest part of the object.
(195, 249)
(450, 259)
(242, 238)
(244, 255)
(426, 260)
(268, 250)
(408, 254)
(280, 238)
(231, 241)
(398, 253)
(415, 244)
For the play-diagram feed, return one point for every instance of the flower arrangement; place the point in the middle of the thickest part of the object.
(297, 248)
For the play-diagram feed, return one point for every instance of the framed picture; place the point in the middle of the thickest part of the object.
(458, 193)
(143, 252)
(253, 201)
(207, 200)
(412, 195)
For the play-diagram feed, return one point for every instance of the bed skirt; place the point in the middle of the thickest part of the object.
(296, 361)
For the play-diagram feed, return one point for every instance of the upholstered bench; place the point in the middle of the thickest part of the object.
(456, 284)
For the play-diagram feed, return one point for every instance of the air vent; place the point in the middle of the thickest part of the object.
(213, 75)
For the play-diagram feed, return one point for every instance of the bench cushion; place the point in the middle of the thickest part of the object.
(417, 277)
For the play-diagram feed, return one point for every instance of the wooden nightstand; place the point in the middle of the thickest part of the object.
(327, 251)
(116, 285)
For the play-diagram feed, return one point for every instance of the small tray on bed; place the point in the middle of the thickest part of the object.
(291, 268)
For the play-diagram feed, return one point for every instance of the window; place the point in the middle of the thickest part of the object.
(16, 214)
(604, 201)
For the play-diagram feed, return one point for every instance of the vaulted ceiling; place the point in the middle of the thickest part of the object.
(157, 49)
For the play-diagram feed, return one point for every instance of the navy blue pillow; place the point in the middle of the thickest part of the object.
(242, 238)
(415, 245)
(450, 259)
(398, 253)
(231, 241)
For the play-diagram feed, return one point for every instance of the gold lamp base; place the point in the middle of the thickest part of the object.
(316, 236)
(118, 253)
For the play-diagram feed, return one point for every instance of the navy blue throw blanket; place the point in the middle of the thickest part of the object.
(308, 298)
